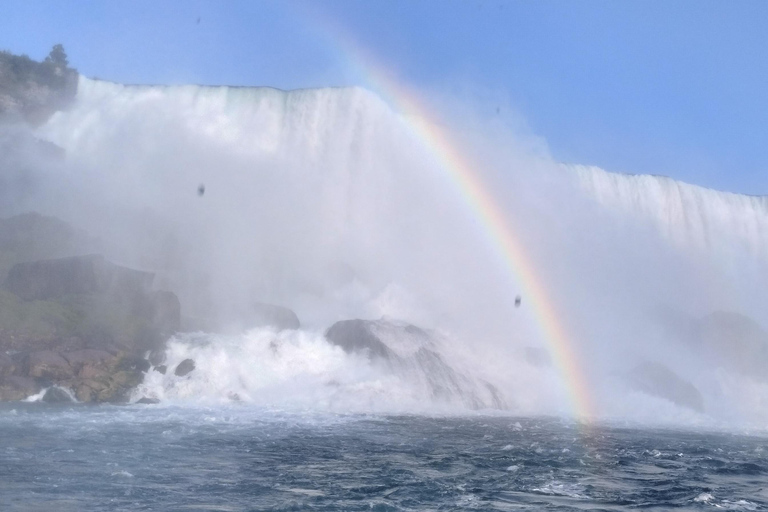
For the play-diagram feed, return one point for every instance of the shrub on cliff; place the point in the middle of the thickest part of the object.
(33, 91)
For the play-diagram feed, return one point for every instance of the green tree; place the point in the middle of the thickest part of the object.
(57, 57)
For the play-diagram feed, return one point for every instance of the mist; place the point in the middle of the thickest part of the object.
(324, 201)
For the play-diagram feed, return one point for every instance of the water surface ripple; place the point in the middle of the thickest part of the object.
(75, 458)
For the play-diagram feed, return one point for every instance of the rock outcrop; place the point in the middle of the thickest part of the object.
(77, 275)
(83, 324)
(657, 380)
(412, 352)
(270, 315)
(359, 336)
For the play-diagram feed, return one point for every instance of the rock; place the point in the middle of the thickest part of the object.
(84, 301)
(56, 395)
(269, 315)
(88, 357)
(7, 365)
(32, 236)
(76, 275)
(412, 352)
(161, 369)
(184, 368)
(133, 363)
(17, 388)
(358, 336)
(85, 393)
(49, 365)
(146, 400)
(157, 357)
(657, 380)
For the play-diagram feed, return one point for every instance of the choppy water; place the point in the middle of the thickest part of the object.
(239, 458)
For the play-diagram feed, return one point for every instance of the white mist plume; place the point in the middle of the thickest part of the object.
(323, 201)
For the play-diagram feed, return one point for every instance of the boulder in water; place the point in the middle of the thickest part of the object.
(270, 315)
(358, 336)
(413, 353)
(17, 388)
(57, 395)
(184, 368)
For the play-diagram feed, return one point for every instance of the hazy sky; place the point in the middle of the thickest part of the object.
(674, 88)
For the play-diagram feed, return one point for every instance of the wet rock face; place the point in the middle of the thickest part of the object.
(7, 365)
(84, 302)
(16, 387)
(412, 352)
(92, 375)
(78, 322)
(49, 365)
(56, 395)
(358, 336)
(657, 380)
(76, 275)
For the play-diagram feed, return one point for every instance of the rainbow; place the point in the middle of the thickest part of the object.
(496, 225)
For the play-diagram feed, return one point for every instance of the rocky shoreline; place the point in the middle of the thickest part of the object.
(80, 323)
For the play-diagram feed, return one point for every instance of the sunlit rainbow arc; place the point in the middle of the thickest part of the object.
(498, 228)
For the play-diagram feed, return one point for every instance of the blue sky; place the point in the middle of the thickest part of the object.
(662, 87)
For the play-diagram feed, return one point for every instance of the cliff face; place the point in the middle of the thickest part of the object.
(78, 322)
(32, 91)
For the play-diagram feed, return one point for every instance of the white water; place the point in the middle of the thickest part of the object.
(325, 202)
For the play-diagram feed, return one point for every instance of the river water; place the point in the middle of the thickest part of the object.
(240, 458)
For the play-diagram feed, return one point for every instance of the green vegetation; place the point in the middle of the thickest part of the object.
(32, 90)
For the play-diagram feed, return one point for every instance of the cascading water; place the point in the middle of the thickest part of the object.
(324, 201)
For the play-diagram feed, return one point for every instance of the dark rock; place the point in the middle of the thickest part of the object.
(88, 357)
(161, 369)
(157, 357)
(269, 315)
(133, 363)
(17, 388)
(358, 336)
(31, 236)
(413, 352)
(7, 365)
(56, 395)
(657, 380)
(84, 301)
(76, 275)
(146, 400)
(49, 365)
(184, 368)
